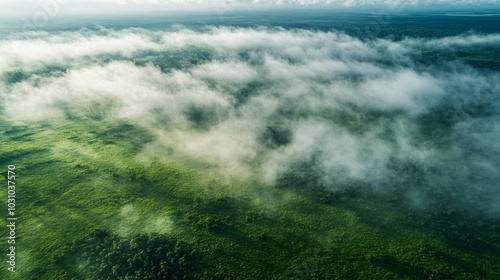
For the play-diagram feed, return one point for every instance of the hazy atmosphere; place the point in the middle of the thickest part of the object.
(53, 7)
(216, 130)
(354, 112)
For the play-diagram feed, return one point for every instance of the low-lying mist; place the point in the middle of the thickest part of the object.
(294, 108)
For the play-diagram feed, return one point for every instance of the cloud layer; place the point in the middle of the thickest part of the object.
(97, 5)
(273, 103)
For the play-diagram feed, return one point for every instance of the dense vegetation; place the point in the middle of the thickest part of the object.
(94, 208)
(108, 256)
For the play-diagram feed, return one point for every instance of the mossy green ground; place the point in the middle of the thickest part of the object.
(76, 177)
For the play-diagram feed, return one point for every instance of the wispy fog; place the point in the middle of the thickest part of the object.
(376, 116)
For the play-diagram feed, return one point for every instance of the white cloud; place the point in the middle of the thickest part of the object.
(269, 99)
(229, 72)
(152, 5)
(348, 3)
